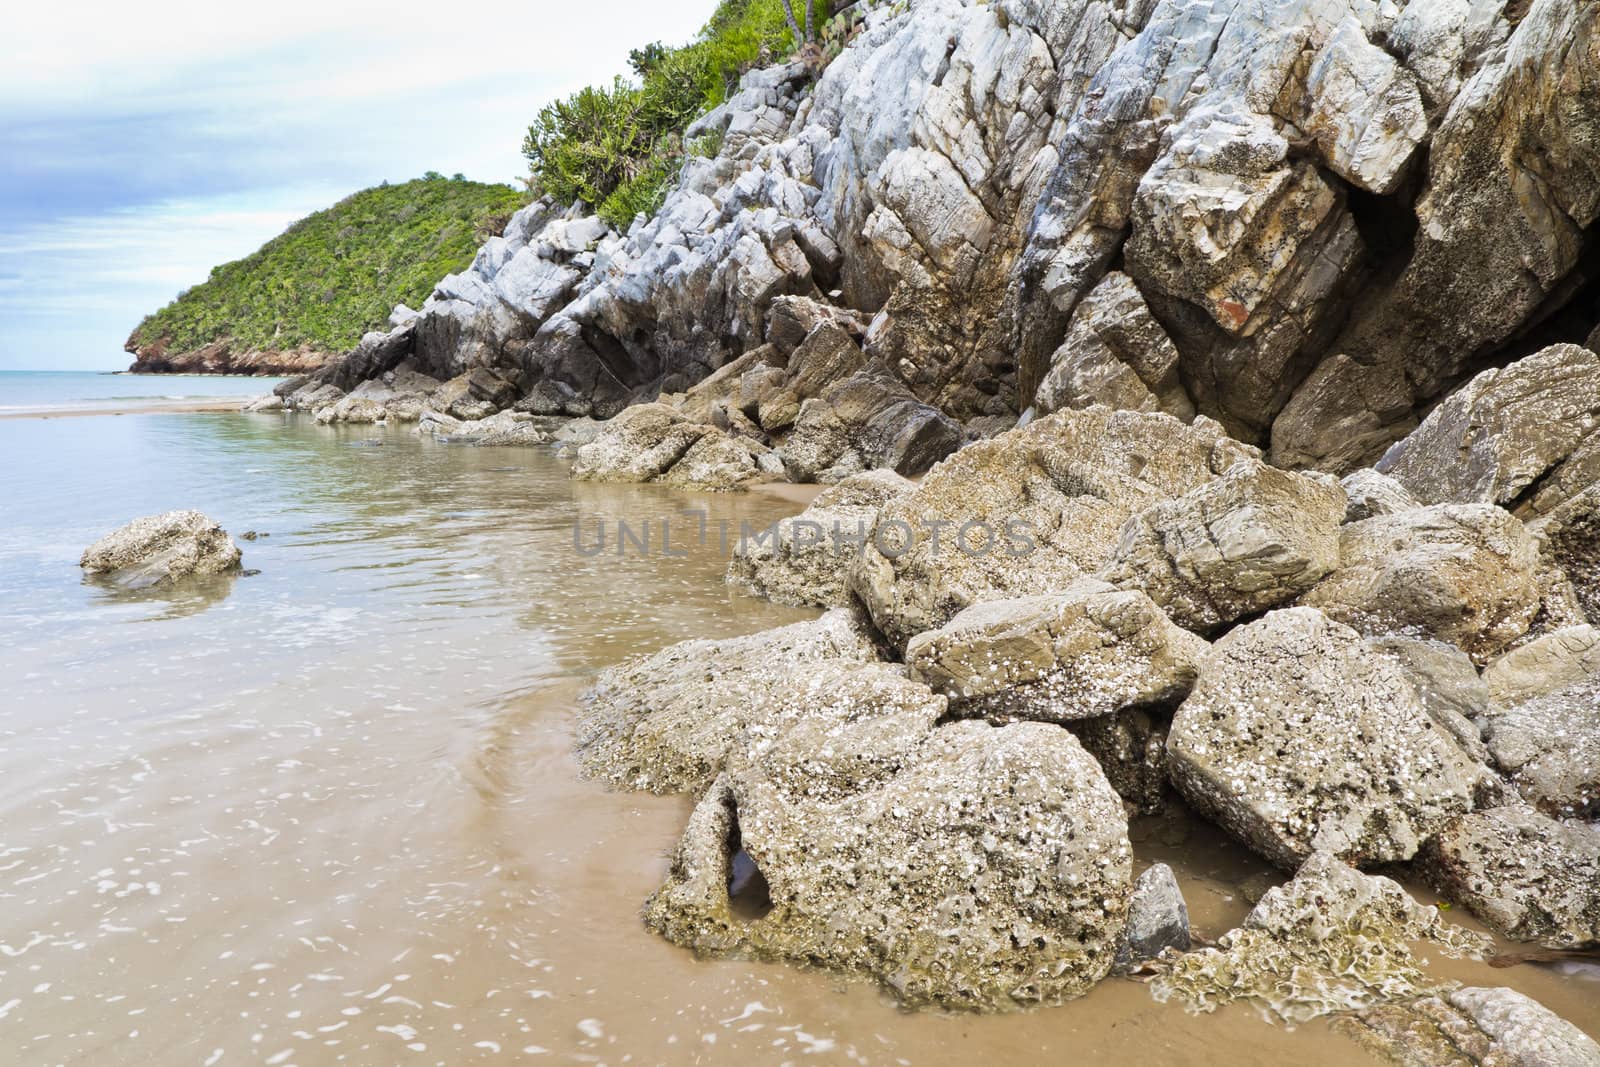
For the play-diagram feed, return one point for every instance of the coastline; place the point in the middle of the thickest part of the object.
(181, 407)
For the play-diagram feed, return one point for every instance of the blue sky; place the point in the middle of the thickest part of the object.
(141, 144)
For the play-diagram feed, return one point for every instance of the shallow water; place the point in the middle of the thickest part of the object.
(38, 391)
(328, 813)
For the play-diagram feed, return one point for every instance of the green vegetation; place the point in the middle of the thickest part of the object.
(618, 147)
(336, 274)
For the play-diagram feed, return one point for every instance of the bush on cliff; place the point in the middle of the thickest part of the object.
(335, 274)
(618, 147)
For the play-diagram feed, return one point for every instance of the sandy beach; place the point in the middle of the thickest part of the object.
(153, 407)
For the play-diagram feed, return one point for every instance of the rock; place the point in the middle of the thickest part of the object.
(806, 559)
(1372, 494)
(1330, 940)
(159, 549)
(269, 403)
(1550, 747)
(716, 462)
(655, 723)
(1526, 434)
(866, 420)
(1299, 738)
(1087, 651)
(991, 873)
(1564, 658)
(1461, 573)
(1131, 747)
(1570, 538)
(1253, 539)
(504, 428)
(1527, 875)
(1157, 917)
(1040, 506)
(638, 445)
(1115, 353)
(1448, 684)
(1470, 1027)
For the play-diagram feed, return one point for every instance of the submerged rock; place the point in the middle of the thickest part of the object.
(1529, 876)
(1330, 940)
(158, 549)
(1027, 512)
(1251, 540)
(1300, 738)
(991, 873)
(665, 722)
(1087, 651)
(806, 560)
(1471, 1027)
(1466, 574)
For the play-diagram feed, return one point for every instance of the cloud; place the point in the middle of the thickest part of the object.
(146, 144)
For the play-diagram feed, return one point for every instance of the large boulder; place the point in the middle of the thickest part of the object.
(1087, 651)
(664, 722)
(1372, 494)
(1462, 573)
(1331, 940)
(1253, 539)
(866, 420)
(991, 873)
(805, 560)
(656, 443)
(1525, 434)
(1529, 876)
(1028, 511)
(1299, 737)
(1475, 1026)
(1566, 657)
(1549, 745)
(156, 550)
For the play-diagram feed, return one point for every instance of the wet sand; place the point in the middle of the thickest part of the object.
(152, 407)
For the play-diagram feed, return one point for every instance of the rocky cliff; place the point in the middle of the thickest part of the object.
(1307, 219)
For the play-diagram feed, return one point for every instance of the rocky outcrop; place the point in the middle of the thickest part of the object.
(1027, 512)
(805, 560)
(1529, 876)
(1087, 651)
(1466, 574)
(1299, 738)
(656, 443)
(1254, 539)
(1471, 1027)
(1331, 940)
(992, 872)
(158, 550)
(225, 356)
(1549, 745)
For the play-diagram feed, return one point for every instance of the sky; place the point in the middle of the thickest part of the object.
(142, 144)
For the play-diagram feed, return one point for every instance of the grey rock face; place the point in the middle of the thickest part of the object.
(1158, 918)
(159, 549)
(1529, 876)
(655, 723)
(992, 872)
(1530, 430)
(1372, 494)
(1041, 506)
(1466, 574)
(1331, 940)
(807, 559)
(1253, 539)
(1470, 1027)
(1555, 661)
(1299, 738)
(1087, 651)
(1550, 747)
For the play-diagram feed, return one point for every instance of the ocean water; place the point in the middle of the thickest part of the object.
(328, 813)
(45, 391)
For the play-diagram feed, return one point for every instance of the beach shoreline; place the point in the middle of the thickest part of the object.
(177, 407)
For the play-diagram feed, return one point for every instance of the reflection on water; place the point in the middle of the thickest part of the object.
(333, 817)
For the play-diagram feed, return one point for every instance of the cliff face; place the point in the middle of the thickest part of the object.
(1319, 214)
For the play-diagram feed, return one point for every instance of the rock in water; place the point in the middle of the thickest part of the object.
(1158, 918)
(1088, 651)
(1472, 1027)
(1300, 738)
(1253, 539)
(1529, 876)
(159, 549)
(1330, 940)
(1466, 574)
(1028, 511)
(991, 873)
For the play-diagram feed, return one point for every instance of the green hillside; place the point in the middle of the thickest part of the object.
(334, 275)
